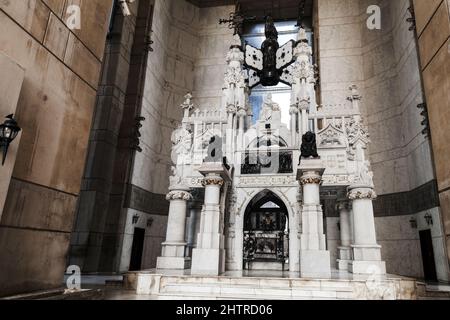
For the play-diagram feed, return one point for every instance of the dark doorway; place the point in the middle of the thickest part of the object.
(429, 265)
(266, 232)
(136, 249)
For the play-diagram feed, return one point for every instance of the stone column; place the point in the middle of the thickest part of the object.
(191, 230)
(174, 248)
(344, 251)
(293, 112)
(314, 258)
(241, 116)
(231, 110)
(366, 251)
(304, 118)
(208, 258)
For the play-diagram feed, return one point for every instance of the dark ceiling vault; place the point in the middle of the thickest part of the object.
(279, 9)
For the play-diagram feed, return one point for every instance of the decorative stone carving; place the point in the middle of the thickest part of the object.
(365, 176)
(338, 179)
(175, 178)
(310, 180)
(354, 93)
(362, 193)
(356, 130)
(269, 107)
(178, 195)
(293, 110)
(358, 138)
(272, 181)
(331, 137)
(231, 109)
(187, 105)
(182, 140)
(212, 181)
(235, 87)
(303, 103)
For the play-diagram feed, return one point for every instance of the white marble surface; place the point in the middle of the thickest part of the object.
(270, 285)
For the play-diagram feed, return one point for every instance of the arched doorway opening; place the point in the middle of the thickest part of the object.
(266, 233)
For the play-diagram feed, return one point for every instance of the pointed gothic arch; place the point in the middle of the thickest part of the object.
(266, 229)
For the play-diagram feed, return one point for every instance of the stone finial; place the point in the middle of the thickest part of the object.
(302, 36)
(236, 42)
(354, 93)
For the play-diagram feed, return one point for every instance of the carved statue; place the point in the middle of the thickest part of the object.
(175, 178)
(268, 108)
(309, 146)
(365, 175)
(182, 140)
(235, 77)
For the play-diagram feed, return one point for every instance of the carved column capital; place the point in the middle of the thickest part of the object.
(361, 193)
(179, 195)
(293, 110)
(231, 109)
(212, 181)
(310, 179)
(303, 104)
(242, 113)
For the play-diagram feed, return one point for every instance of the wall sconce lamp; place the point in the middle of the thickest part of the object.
(8, 132)
(429, 219)
(135, 218)
(149, 222)
(413, 223)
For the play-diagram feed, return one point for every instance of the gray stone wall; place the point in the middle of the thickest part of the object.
(384, 65)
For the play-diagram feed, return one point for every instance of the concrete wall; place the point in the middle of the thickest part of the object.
(55, 110)
(433, 29)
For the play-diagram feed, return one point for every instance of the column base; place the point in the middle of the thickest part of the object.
(366, 252)
(315, 264)
(208, 262)
(173, 257)
(173, 249)
(345, 257)
(342, 265)
(367, 267)
(173, 263)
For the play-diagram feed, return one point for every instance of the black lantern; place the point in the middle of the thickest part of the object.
(413, 223)
(8, 132)
(135, 218)
(429, 219)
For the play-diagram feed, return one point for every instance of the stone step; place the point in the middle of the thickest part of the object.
(114, 283)
(190, 296)
(263, 284)
(248, 291)
(60, 294)
(265, 288)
